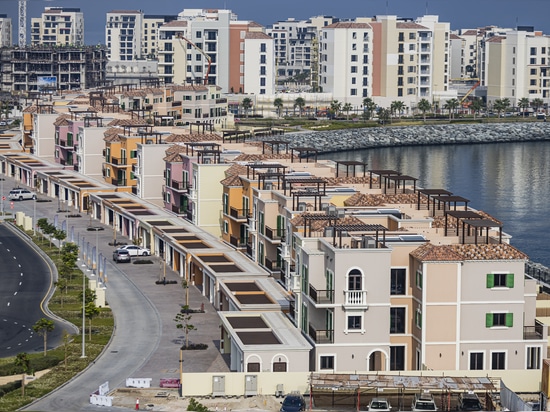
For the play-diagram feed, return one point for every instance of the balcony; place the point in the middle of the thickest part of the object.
(118, 182)
(534, 332)
(355, 298)
(179, 209)
(66, 143)
(179, 185)
(236, 242)
(274, 234)
(272, 265)
(238, 214)
(135, 190)
(321, 296)
(321, 335)
(120, 161)
(76, 167)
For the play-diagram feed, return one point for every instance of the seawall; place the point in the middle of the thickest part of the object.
(353, 139)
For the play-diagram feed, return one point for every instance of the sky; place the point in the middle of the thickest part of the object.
(460, 13)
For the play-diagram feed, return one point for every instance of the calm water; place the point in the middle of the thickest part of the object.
(510, 181)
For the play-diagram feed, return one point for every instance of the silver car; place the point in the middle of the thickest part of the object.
(21, 194)
(121, 255)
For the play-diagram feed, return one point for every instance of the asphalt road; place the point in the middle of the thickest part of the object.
(27, 280)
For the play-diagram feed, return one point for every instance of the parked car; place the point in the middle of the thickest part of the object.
(18, 193)
(293, 402)
(423, 402)
(379, 404)
(469, 401)
(135, 250)
(121, 255)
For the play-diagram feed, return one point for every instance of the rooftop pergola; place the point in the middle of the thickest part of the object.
(275, 146)
(479, 225)
(201, 147)
(317, 192)
(459, 215)
(256, 166)
(399, 181)
(381, 173)
(353, 164)
(429, 193)
(360, 229)
(305, 152)
(447, 201)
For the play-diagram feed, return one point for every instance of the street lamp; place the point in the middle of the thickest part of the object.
(83, 315)
(2, 194)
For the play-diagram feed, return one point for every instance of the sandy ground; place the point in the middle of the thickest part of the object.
(8, 379)
(169, 400)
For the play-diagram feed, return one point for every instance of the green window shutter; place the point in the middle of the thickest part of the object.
(510, 280)
(488, 320)
(509, 320)
(490, 280)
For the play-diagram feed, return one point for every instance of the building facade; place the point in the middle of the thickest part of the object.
(58, 26)
(6, 31)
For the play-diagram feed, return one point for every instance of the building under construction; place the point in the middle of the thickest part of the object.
(43, 68)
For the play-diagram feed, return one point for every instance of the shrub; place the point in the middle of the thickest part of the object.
(142, 262)
(195, 346)
(10, 387)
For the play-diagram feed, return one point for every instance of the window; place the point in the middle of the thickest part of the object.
(498, 360)
(354, 280)
(354, 322)
(418, 280)
(263, 48)
(418, 318)
(354, 58)
(225, 226)
(133, 154)
(397, 320)
(326, 362)
(500, 280)
(397, 358)
(225, 203)
(353, 92)
(476, 361)
(533, 357)
(499, 319)
(397, 286)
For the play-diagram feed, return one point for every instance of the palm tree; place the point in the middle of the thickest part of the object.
(369, 106)
(335, 107)
(397, 106)
(476, 106)
(300, 103)
(537, 103)
(424, 105)
(501, 105)
(22, 359)
(278, 103)
(451, 105)
(384, 115)
(42, 327)
(347, 108)
(183, 321)
(246, 105)
(523, 104)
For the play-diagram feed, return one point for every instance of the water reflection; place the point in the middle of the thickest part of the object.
(510, 181)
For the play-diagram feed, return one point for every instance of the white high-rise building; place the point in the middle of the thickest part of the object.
(5, 31)
(259, 64)
(58, 26)
(123, 34)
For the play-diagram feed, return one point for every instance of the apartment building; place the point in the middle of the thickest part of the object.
(259, 64)
(58, 26)
(39, 130)
(517, 65)
(346, 61)
(124, 35)
(6, 31)
(411, 59)
(54, 68)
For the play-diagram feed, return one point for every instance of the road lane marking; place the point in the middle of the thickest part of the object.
(14, 293)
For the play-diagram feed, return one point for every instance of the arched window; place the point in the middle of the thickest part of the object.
(355, 280)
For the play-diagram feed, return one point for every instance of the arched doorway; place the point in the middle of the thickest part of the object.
(377, 361)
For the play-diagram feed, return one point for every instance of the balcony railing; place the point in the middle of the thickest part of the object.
(118, 182)
(274, 234)
(179, 185)
(240, 214)
(119, 161)
(321, 335)
(76, 167)
(237, 242)
(179, 209)
(533, 332)
(355, 297)
(321, 296)
(272, 265)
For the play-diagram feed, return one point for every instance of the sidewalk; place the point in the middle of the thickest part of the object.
(166, 298)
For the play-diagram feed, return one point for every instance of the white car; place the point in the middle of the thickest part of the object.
(135, 250)
(21, 194)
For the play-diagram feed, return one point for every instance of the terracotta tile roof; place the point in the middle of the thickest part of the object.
(173, 153)
(232, 181)
(188, 88)
(495, 39)
(453, 253)
(409, 25)
(195, 137)
(439, 221)
(455, 37)
(62, 120)
(31, 109)
(176, 23)
(111, 134)
(258, 157)
(257, 35)
(128, 122)
(362, 199)
(318, 225)
(232, 175)
(471, 32)
(348, 25)
(348, 180)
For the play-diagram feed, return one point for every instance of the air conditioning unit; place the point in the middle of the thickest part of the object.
(329, 232)
(268, 186)
(302, 206)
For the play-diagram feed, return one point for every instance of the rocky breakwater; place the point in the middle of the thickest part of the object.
(352, 139)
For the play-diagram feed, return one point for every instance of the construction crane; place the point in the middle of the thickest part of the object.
(22, 23)
(201, 51)
(470, 91)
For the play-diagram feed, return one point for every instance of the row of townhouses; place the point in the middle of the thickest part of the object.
(385, 58)
(313, 265)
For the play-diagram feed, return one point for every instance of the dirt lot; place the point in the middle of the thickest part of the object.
(156, 399)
